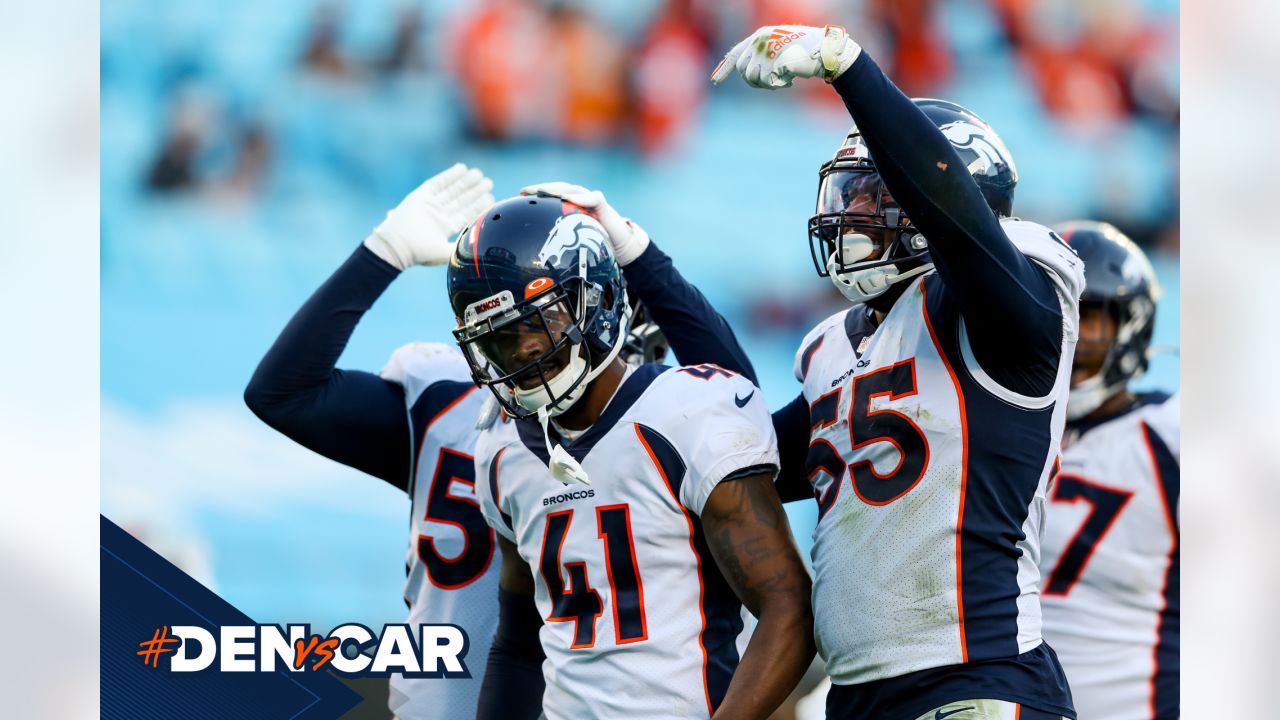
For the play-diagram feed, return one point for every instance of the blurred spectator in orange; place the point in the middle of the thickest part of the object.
(494, 54)
(1090, 61)
(669, 77)
(809, 12)
(589, 64)
(405, 53)
(322, 54)
(790, 12)
(1077, 86)
(918, 53)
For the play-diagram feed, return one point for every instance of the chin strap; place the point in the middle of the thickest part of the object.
(561, 464)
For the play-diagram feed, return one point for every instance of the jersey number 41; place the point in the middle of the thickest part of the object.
(579, 603)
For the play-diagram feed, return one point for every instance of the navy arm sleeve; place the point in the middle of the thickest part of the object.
(696, 332)
(791, 424)
(513, 684)
(1011, 310)
(353, 417)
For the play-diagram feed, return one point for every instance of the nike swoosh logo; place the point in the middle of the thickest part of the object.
(742, 402)
(940, 714)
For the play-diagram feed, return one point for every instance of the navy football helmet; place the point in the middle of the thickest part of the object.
(1119, 279)
(859, 233)
(537, 265)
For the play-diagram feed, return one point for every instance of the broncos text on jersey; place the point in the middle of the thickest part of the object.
(639, 621)
(1111, 570)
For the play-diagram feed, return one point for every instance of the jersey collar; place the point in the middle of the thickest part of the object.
(1140, 400)
(631, 389)
(858, 326)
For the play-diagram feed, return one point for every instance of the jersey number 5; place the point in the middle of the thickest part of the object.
(464, 514)
(580, 603)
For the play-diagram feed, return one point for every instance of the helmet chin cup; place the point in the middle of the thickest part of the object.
(857, 285)
(538, 397)
(861, 285)
(854, 246)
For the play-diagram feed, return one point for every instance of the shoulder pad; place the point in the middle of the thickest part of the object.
(417, 365)
(1164, 419)
(811, 341)
(1046, 248)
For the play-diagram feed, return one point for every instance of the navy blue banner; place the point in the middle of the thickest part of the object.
(143, 597)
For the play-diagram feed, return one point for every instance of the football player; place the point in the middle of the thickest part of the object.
(414, 424)
(1110, 586)
(635, 507)
(932, 409)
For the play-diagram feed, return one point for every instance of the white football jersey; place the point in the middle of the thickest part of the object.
(639, 621)
(452, 575)
(930, 479)
(1110, 587)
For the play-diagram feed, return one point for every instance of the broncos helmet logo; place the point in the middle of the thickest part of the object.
(571, 235)
(983, 153)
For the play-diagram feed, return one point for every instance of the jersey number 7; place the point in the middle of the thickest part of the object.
(1105, 505)
(580, 603)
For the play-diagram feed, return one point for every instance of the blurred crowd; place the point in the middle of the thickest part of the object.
(236, 106)
(635, 76)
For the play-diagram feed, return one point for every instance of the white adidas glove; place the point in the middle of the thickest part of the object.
(627, 239)
(420, 230)
(773, 56)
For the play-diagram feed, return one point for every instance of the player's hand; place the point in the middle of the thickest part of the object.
(420, 230)
(627, 239)
(774, 55)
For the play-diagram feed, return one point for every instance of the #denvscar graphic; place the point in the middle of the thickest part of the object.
(429, 651)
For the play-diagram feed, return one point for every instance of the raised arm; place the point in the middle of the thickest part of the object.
(1011, 311)
(748, 534)
(1007, 301)
(513, 682)
(353, 417)
(696, 331)
(350, 416)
